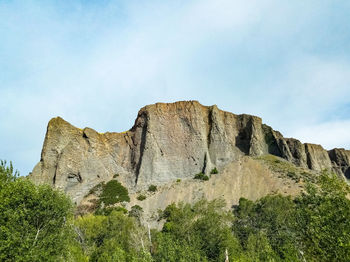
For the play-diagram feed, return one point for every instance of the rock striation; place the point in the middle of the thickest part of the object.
(168, 141)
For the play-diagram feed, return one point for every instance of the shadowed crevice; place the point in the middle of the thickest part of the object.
(142, 146)
(347, 173)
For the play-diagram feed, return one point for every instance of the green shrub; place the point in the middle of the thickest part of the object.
(115, 175)
(178, 180)
(214, 171)
(113, 192)
(141, 197)
(201, 176)
(137, 207)
(152, 188)
(136, 211)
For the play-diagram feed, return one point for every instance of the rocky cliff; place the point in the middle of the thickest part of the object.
(169, 142)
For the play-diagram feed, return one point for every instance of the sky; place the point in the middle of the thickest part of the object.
(96, 63)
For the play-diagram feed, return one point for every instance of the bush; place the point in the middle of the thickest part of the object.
(214, 171)
(152, 188)
(178, 180)
(115, 175)
(201, 176)
(136, 211)
(113, 192)
(141, 197)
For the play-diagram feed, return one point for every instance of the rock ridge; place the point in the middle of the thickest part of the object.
(169, 141)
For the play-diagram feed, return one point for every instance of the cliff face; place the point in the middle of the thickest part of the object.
(168, 142)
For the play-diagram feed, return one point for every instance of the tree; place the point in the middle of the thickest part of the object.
(271, 220)
(7, 173)
(323, 220)
(168, 248)
(202, 229)
(33, 219)
(115, 237)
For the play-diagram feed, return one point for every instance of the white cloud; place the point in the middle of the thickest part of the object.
(334, 134)
(96, 66)
(305, 91)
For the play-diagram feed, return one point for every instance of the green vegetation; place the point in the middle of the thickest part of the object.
(115, 175)
(37, 224)
(141, 197)
(152, 188)
(178, 180)
(113, 192)
(136, 211)
(201, 176)
(214, 171)
(115, 237)
(34, 220)
(286, 169)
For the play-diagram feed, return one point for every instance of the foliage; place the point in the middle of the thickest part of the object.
(315, 226)
(214, 171)
(141, 197)
(270, 220)
(203, 231)
(152, 188)
(323, 220)
(7, 173)
(36, 224)
(114, 192)
(201, 176)
(169, 248)
(34, 220)
(136, 211)
(115, 237)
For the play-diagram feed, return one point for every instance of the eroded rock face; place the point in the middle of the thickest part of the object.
(168, 142)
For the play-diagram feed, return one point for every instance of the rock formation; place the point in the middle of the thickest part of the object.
(169, 142)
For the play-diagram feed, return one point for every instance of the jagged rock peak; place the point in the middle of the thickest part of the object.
(168, 141)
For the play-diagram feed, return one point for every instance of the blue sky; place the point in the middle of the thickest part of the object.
(95, 63)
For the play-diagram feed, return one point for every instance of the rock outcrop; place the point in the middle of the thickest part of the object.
(168, 142)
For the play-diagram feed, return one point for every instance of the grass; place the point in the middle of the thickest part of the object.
(287, 169)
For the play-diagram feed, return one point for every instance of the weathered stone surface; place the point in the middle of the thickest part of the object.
(167, 142)
(317, 158)
(245, 177)
(340, 160)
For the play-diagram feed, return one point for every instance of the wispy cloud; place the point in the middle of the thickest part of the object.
(332, 134)
(95, 63)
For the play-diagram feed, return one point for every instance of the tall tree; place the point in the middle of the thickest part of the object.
(33, 219)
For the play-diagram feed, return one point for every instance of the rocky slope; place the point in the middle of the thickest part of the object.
(169, 142)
